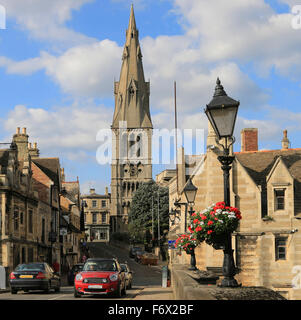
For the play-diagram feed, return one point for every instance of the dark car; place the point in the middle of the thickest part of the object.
(128, 275)
(72, 273)
(100, 277)
(34, 276)
(133, 251)
(138, 255)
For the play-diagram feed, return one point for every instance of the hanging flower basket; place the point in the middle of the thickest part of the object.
(214, 223)
(186, 242)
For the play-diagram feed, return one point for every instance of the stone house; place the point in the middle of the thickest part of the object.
(30, 190)
(19, 204)
(265, 186)
(70, 205)
(97, 215)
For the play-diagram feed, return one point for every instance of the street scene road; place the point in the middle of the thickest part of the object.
(144, 277)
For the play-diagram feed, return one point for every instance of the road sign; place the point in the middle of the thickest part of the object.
(171, 244)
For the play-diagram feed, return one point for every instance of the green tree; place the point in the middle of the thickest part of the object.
(143, 215)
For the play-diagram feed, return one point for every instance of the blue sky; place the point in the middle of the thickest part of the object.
(59, 59)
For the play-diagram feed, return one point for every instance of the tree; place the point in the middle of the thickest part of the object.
(143, 215)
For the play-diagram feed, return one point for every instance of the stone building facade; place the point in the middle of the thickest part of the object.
(131, 131)
(19, 205)
(30, 190)
(265, 186)
(97, 215)
(70, 206)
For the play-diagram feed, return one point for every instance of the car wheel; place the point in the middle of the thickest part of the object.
(118, 293)
(48, 288)
(76, 294)
(13, 291)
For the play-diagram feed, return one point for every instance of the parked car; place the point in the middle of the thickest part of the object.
(133, 251)
(128, 275)
(34, 276)
(138, 255)
(100, 276)
(72, 273)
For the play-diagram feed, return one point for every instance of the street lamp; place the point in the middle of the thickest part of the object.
(82, 215)
(190, 191)
(222, 113)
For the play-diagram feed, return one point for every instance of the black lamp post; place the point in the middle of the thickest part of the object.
(190, 191)
(222, 113)
(82, 215)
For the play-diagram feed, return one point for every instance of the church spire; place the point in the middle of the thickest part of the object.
(132, 92)
(132, 22)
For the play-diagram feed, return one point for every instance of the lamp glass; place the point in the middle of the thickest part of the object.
(190, 192)
(223, 120)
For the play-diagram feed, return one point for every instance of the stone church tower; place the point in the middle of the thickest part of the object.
(131, 131)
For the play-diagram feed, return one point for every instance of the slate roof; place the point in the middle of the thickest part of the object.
(50, 166)
(259, 164)
(73, 190)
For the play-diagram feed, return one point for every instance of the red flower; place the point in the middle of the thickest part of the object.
(195, 221)
(203, 217)
(209, 231)
(210, 223)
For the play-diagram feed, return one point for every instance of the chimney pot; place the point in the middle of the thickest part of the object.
(285, 141)
(24, 131)
(29, 146)
(18, 130)
(35, 145)
(92, 190)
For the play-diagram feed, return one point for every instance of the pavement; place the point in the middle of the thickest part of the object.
(155, 293)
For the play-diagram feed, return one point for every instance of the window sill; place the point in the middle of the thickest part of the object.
(268, 218)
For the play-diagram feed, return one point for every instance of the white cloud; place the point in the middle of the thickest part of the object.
(45, 20)
(242, 30)
(86, 70)
(68, 131)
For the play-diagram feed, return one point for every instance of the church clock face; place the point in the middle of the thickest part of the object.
(133, 171)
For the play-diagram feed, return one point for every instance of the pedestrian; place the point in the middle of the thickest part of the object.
(56, 266)
(84, 258)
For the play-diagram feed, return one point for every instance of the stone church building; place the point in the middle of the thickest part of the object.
(131, 131)
(266, 187)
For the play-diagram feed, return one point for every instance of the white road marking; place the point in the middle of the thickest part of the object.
(57, 297)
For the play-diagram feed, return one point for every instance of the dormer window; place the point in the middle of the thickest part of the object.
(279, 199)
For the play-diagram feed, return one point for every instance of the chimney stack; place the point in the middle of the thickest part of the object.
(285, 141)
(249, 139)
(107, 191)
(92, 190)
(63, 174)
(33, 150)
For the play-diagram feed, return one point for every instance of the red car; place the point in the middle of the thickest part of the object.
(100, 277)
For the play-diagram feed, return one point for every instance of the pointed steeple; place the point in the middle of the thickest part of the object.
(132, 92)
(132, 22)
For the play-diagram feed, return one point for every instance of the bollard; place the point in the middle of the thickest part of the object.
(164, 276)
(2, 278)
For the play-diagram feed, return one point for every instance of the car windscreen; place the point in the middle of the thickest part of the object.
(30, 266)
(103, 265)
(123, 267)
(77, 268)
(136, 249)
